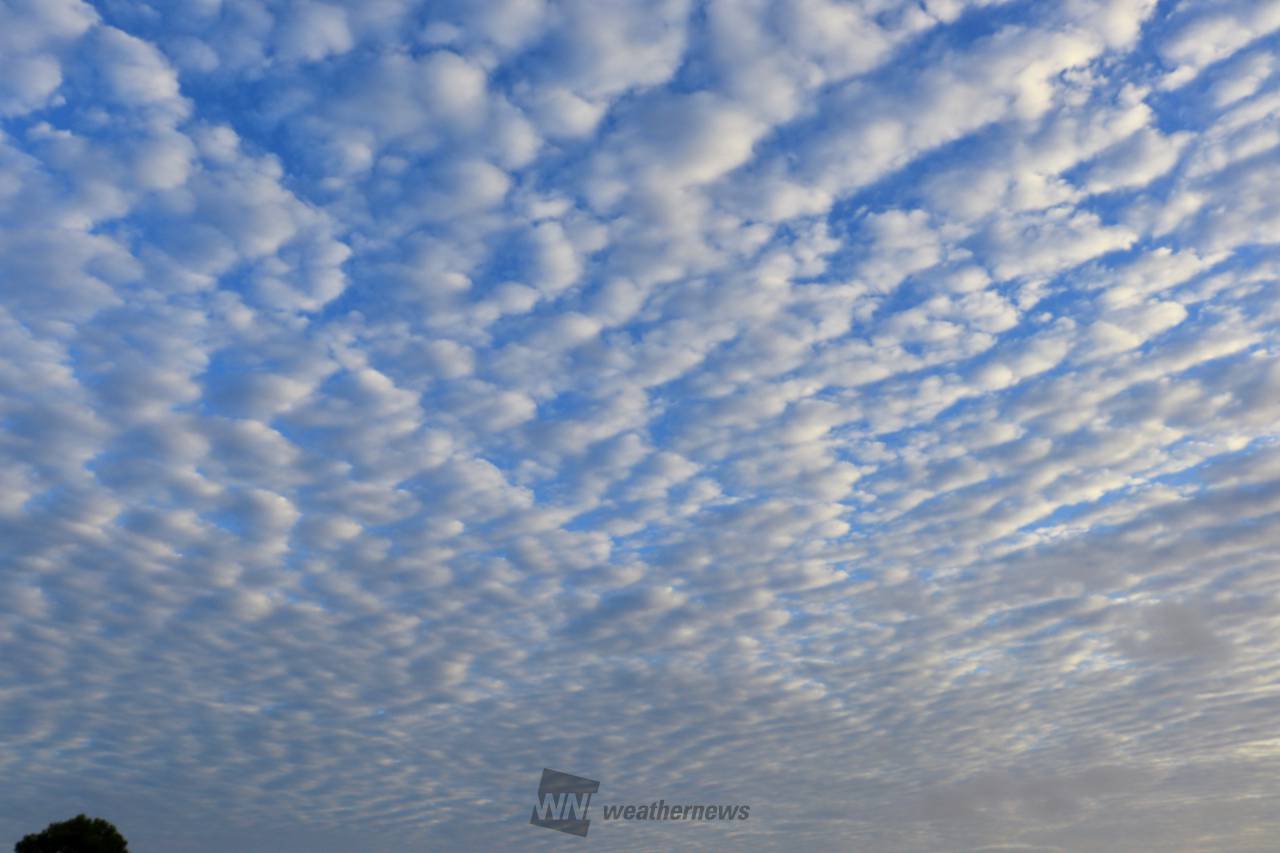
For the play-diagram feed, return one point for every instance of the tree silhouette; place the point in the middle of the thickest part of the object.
(79, 835)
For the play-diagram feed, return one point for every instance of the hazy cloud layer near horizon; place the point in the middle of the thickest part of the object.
(866, 411)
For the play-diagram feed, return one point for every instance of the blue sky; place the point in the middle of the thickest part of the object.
(865, 410)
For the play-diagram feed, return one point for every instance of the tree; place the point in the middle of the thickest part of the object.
(79, 835)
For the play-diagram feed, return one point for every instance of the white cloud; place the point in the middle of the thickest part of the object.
(314, 31)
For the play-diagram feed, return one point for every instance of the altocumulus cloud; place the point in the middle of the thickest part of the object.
(862, 410)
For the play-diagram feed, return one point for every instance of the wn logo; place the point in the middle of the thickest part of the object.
(563, 800)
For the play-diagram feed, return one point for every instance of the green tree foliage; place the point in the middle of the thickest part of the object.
(79, 835)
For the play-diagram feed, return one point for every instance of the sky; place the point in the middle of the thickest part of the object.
(861, 410)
